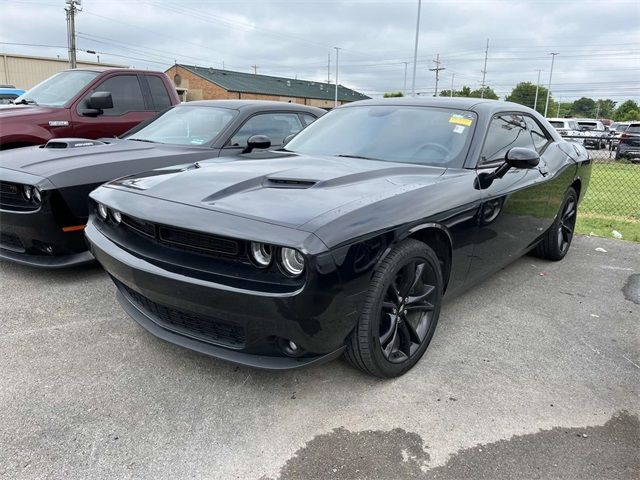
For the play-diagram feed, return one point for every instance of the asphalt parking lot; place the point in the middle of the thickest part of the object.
(533, 374)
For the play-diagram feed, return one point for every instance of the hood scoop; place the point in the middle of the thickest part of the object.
(71, 143)
(289, 183)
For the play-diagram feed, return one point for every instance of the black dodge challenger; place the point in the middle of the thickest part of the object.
(43, 190)
(346, 241)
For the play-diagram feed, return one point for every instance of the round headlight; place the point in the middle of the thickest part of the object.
(27, 192)
(102, 211)
(292, 261)
(37, 196)
(261, 254)
(116, 216)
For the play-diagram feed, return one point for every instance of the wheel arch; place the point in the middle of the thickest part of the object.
(437, 237)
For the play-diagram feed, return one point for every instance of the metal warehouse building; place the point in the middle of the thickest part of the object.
(25, 72)
(202, 83)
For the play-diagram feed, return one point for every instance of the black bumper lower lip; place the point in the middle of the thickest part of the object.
(264, 362)
(45, 261)
(237, 325)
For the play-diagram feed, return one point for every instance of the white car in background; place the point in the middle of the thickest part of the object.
(567, 128)
(595, 134)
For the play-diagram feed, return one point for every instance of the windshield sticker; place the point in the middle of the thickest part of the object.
(460, 120)
(458, 129)
(197, 141)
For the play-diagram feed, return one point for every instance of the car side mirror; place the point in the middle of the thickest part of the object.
(97, 102)
(516, 157)
(257, 141)
(519, 157)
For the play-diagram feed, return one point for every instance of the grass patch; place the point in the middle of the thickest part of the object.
(612, 202)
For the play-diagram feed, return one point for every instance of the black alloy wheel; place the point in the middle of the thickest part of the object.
(400, 313)
(407, 310)
(556, 241)
(567, 224)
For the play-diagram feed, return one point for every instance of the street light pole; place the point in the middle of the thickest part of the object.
(535, 102)
(335, 103)
(546, 106)
(451, 92)
(415, 52)
(404, 90)
(71, 9)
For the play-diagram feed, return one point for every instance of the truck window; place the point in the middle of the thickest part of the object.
(126, 93)
(161, 99)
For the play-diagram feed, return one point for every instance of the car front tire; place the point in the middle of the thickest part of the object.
(557, 240)
(400, 312)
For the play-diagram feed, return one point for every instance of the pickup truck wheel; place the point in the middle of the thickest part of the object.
(400, 312)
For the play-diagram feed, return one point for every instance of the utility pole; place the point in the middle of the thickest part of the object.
(484, 70)
(535, 102)
(404, 90)
(597, 109)
(437, 69)
(328, 68)
(546, 106)
(71, 8)
(415, 52)
(558, 114)
(335, 102)
(255, 69)
(451, 92)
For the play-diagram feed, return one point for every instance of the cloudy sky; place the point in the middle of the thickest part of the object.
(598, 41)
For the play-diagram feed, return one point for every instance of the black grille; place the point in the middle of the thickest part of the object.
(11, 241)
(11, 197)
(141, 226)
(199, 241)
(191, 324)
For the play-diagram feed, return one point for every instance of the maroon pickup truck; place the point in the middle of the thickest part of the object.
(84, 103)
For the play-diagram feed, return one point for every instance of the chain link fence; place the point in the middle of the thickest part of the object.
(611, 207)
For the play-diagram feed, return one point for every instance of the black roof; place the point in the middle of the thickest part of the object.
(252, 105)
(463, 103)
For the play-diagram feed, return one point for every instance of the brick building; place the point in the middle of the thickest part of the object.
(202, 83)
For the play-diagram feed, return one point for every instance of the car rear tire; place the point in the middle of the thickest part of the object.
(557, 240)
(400, 312)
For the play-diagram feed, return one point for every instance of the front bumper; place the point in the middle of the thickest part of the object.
(36, 239)
(226, 322)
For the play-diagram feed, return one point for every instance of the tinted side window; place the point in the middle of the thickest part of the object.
(308, 119)
(161, 99)
(126, 93)
(540, 140)
(276, 126)
(505, 132)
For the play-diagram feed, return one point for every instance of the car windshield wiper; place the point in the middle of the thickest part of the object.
(26, 101)
(356, 156)
(141, 140)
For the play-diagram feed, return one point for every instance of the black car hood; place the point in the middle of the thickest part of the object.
(286, 190)
(97, 163)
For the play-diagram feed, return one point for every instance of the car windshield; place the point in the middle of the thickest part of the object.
(557, 124)
(635, 128)
(185, 125)
(420, 135)
(58, 90)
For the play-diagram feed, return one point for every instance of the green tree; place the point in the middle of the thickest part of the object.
(467, 92)
(628, 110)
(584, 107)
(488, 93)
(393, 94)
(605, 108)
(524, 93)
